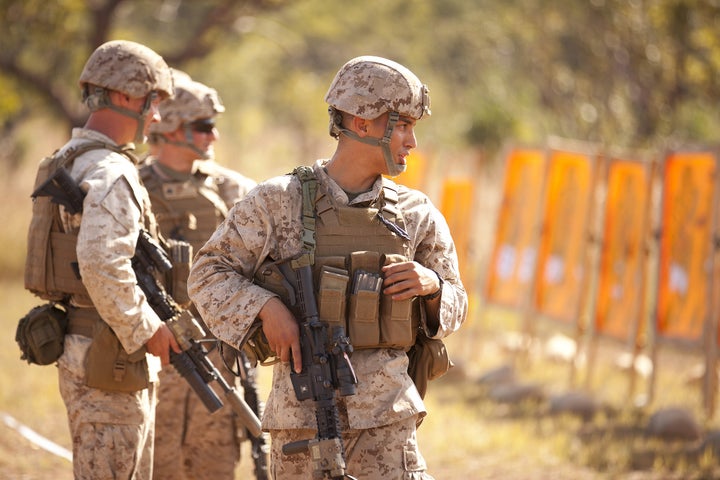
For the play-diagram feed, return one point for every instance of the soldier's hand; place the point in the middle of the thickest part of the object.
(160, 344)
(405, 280)
(282, 332)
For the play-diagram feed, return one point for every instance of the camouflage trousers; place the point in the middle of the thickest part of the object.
(190, 442)
(112, 432)
(389, 452)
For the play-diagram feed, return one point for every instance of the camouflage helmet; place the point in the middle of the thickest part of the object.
(127, 67)
(369, 86)
(192, 101)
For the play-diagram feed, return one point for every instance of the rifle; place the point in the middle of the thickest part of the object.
(326, 367)
(150, 258)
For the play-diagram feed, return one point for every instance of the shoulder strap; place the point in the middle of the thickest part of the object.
(69, 155)
(309, 186)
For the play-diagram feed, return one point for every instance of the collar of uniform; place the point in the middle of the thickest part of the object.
(339, 196)
(80, 133)
(168, 174)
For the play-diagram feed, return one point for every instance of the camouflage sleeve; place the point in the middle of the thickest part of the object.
(220, 282)
(106, 244)
(435, 249)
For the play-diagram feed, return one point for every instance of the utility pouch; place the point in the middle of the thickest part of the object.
(363, 324)
(180, 254)
(396, 317)
(41, 333)
(109, 367)
(257, 348)
(331, 296)
(429, 360)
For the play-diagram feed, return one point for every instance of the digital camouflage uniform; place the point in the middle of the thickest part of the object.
(112, 432)
(267, 223)
(190, 442)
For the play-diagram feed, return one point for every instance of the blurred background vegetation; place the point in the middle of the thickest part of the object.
(631, 74)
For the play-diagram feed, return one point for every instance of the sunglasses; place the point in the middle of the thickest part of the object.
(203, 126)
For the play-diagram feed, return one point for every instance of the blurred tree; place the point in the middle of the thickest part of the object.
(630, 73)
(45, 44)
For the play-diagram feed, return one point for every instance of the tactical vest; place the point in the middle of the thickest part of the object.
(352, 244)
(51, 266)
(189, 210)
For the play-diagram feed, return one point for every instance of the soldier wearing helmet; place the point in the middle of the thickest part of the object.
(191, 195)
(115, 343)
(351, 224)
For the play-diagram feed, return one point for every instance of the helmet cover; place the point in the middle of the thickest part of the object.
(192, 101)
(129, 68)
(370, 86)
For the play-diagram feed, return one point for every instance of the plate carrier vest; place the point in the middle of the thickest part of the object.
(348, 246)
(51, 268)
(188, 210)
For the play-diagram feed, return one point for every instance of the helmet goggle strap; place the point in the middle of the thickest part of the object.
(384, 143)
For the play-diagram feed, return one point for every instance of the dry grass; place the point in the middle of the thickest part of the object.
(466, 435)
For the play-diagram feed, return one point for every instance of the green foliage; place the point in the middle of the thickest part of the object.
(622, 73)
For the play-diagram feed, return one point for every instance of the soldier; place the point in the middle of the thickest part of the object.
(190, 196)
(107, 380)
(361, 221)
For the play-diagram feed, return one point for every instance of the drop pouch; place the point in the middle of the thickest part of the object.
(109, 367)
(429, 360)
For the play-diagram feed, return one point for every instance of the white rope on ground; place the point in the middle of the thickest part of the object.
(36, 438)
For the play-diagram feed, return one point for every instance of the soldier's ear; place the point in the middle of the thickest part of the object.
(360, 125)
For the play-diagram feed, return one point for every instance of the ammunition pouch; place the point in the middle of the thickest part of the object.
(428, 360)
(180, 254)
(256, 347)
(109, 367)
(40, 334)
(353, 298)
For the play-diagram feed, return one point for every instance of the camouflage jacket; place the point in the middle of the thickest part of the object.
(267, 223)
(114, 211)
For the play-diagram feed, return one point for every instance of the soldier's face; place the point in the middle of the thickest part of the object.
(204, 135)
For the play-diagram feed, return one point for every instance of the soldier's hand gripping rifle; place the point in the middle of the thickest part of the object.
(326, 367)
(192, 363)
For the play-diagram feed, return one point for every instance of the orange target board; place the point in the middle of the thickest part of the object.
(685, 253)
(456, 206)
(561, 268)
(621, 276)
(512, 261)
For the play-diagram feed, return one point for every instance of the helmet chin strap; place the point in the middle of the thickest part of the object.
(190, 144)
(384, 143)
(100, 99)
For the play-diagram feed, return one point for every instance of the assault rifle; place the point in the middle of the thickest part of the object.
(150, 259)
(326, 367)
